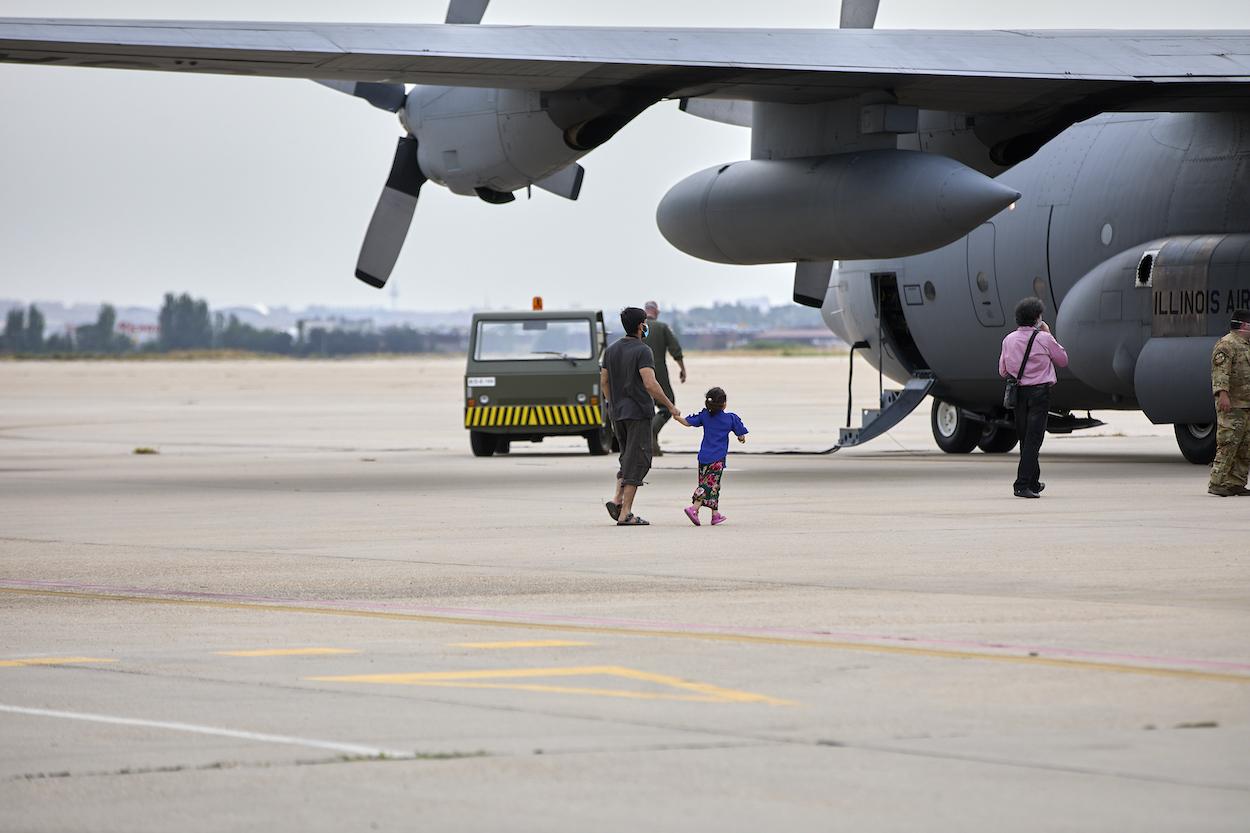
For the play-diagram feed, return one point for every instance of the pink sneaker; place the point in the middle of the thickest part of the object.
(692, 512)
(718, 518)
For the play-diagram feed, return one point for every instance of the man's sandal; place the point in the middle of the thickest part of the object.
(632, 520)
(614, 509)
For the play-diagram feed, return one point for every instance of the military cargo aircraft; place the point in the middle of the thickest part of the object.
(921, 181)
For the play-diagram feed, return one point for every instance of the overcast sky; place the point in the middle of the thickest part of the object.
(118, 185)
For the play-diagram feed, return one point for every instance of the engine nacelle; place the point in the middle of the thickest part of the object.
(852, 206)
(1141, 325)
(499, 140)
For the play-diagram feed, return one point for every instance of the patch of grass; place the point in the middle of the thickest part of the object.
(143, 449)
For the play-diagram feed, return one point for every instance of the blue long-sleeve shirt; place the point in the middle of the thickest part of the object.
(716, 431)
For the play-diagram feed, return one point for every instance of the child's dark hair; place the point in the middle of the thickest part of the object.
(715, 400)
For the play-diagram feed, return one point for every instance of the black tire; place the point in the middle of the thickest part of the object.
(953, 432)
(1197, 442)
(997, 439)
(599, 442)
(503, 445)
(483, 444)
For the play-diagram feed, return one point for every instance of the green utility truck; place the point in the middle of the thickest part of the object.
(532, 375)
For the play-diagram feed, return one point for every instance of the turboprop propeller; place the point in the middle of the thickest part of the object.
(392, 216)
(479, 142)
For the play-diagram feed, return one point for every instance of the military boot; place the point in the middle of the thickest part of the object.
(1222, 491)
(1241, 491)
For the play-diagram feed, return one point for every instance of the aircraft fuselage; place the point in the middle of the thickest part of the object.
(1100, 189)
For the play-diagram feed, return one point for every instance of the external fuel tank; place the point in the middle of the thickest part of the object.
(872, 204)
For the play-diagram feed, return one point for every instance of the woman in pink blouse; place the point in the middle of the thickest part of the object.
(1031, 339)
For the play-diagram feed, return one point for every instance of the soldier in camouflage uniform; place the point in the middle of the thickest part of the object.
(661, 339)
(1230, 382)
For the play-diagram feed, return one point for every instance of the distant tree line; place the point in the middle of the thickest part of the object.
(24, 335)
(186, 323)
(748, 316)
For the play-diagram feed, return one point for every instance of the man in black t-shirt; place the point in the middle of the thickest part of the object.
(627, 378)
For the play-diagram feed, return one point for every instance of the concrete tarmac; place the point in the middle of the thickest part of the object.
(313, 609)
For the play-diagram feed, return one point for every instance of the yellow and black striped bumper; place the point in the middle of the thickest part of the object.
(518, 416)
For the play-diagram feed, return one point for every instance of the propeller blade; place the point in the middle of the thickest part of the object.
(859, 14)
(466, 11)
(389, 97)
(566, 182)
(393, 216)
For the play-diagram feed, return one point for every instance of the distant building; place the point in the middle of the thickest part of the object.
(139, 333)
(334, 325)
(714, 339)
(801, 337)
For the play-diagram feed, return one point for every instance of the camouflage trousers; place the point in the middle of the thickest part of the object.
(1232, 455)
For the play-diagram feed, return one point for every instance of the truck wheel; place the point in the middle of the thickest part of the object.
(954, 432)
(599, 441)
(483, 444)
(1197, 442)
(995, 439)
(503, 445)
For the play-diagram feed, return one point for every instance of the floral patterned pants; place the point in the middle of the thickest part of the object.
(708, 490)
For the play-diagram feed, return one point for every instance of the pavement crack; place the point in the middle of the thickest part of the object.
(242, 765)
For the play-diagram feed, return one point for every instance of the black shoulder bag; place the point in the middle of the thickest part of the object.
(1010, 392)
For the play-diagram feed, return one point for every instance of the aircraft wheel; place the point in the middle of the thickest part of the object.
(483, 444)
(1197, 442)
(953, 432)
(996, 439)
(599, 441)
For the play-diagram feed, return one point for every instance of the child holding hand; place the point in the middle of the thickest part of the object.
(717, 424)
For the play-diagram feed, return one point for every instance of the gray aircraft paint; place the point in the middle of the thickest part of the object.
(1105, 190)
(827, 207)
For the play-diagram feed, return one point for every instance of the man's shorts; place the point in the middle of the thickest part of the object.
(634, 437)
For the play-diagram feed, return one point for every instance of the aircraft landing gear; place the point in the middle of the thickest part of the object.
(952, 430)
(997, 439)
(1197, 442)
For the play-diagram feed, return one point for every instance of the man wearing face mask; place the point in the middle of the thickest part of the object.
(627, 379)
(1230, 384)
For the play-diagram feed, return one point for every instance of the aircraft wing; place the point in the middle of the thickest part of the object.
(995, 72)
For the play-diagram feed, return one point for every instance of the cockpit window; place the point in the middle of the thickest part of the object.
(533, 340)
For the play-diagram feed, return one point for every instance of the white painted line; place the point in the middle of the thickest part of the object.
(312, 743)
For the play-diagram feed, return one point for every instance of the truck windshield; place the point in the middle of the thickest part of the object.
(533, 340)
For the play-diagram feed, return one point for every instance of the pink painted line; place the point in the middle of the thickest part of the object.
(505, 616)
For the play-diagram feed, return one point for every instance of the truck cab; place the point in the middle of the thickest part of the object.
(532, 375)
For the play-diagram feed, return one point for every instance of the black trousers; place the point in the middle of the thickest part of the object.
(1032, 406)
